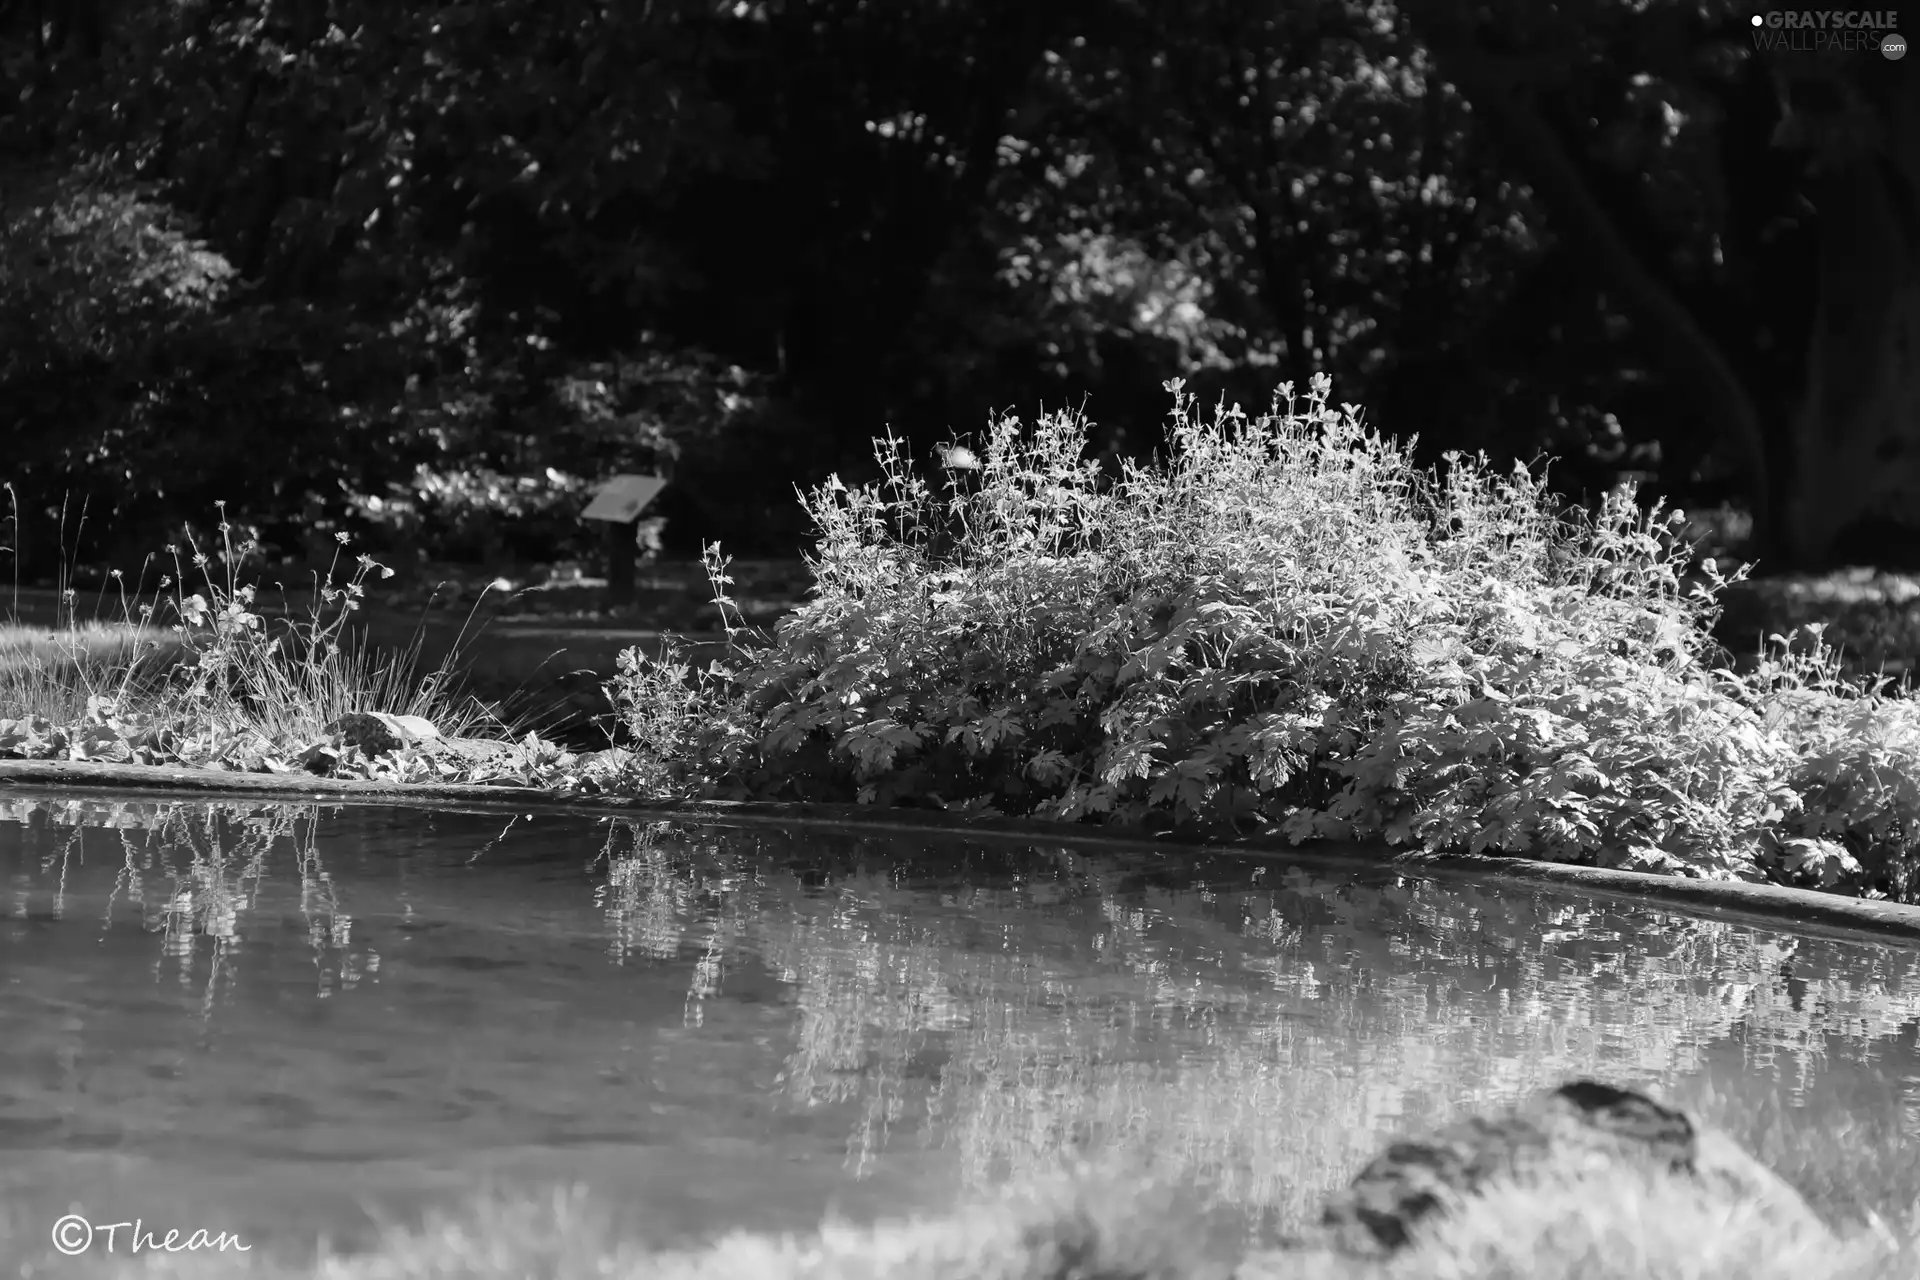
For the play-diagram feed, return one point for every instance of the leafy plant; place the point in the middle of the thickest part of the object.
(1287, 626)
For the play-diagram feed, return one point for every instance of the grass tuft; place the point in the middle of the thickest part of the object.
(194, 671)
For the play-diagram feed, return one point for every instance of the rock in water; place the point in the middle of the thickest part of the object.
(1573, 1132)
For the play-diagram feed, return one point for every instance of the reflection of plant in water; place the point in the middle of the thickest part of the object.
(867, 1016)
(193, 870)
(648, 893)
(1261, 1031)
(653, 893)
(1256, 1029)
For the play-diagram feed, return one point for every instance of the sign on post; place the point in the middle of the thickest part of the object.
(618, 502)
(622, 498)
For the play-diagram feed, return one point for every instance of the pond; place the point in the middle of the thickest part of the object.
(294, 1022)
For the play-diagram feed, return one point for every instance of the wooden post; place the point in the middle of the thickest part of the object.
(621, 539)
(617, 503)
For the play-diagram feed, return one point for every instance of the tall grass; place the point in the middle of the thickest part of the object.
(1284, 625)
(195, 670)
(51, 673)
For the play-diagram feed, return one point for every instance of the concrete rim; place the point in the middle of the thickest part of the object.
(1801, 910)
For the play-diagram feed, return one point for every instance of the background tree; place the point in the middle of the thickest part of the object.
(1752, 212)
(425, 269)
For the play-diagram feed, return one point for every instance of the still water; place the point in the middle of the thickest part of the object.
(296, 1023)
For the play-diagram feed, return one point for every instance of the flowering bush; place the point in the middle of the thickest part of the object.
(1288, 627)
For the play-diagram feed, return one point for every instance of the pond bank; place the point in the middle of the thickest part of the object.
(1804, 909)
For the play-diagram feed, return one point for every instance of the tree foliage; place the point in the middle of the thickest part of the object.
(413, 245)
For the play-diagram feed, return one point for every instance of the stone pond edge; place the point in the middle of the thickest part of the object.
(1803, 909)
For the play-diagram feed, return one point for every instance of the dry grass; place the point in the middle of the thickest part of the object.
(51, 672)
(1627, 1228)
(54, 672)
(211, 676)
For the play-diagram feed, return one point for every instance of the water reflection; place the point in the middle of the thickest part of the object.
(773, 1021)
(1265, 1036)
(188, 873)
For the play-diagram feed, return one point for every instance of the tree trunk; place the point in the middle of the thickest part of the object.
(1854, 491)
(1502, 96)
(208, 204)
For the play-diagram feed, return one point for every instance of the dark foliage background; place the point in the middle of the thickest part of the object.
(423, 271)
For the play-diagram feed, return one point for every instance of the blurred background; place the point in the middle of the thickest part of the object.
(422, 273)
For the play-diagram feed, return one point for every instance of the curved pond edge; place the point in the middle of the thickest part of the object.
(1804, 910)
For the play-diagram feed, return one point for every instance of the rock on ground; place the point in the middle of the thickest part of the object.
(1576, 1132)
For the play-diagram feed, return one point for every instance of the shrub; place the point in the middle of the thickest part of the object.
(1286, 626)
(1853, 768)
